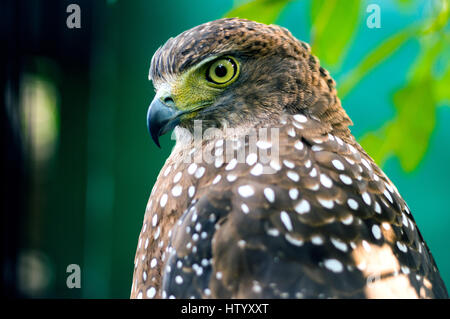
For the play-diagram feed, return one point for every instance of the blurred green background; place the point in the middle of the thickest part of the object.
(78, 100)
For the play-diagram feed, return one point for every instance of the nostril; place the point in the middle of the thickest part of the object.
(168, 100)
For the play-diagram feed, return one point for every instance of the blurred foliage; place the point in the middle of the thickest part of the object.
(264, 11)
(334, 24)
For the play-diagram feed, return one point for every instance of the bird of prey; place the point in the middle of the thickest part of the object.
(276, 198)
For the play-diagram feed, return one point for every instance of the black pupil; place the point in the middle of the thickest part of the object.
(220, 70)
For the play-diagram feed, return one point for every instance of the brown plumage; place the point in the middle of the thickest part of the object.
(320, 220)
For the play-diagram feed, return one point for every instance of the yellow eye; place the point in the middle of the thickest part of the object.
(222, 71)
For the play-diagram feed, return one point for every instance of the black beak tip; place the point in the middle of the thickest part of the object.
(160, 119)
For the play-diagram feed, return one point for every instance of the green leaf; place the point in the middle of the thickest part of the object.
(374, 58)
(407, 136)
(264, 11)
(333, 25)
(442, 87)
(441, 19)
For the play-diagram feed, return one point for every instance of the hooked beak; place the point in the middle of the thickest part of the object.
(161, 118)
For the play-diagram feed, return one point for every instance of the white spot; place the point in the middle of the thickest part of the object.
(273, 232)
(345, 179)
(269, 194)
(176, 191)
(350, 161)
(191, 191)
(339, 244)
(317, 141)
(231, 177)
(334, 265)
(153, 263)
(348, 220)
(217, 179)
(293, 241)
(293, 176)
(218, 275)
(353, 204)
(139, 296)
(231, 165)
(288, 164)
(302, 207)
(275, 165)
(352, 149)
(366, 164)
(144, 276)
(362, 265)
(299, 145)
(405, 270)
(251, 159)
(313, 172)
(326, 203)
(154, 220)
(218, 161)
(366, 246)
(245, 208)
(219, 143)
(158, 231)
(340, 142)
(286, 220)
(325, 181)
(377, 208)
(291, 132)
(207, 292)
(366, 198)
(300, 118)
(308, 164)
(192, 168)
(389, 187)
(402, 247)
(167, 171)
(405, 220)
(316, 148)
(246, 191)
(317, 240)
(376, 231)
(163, 200)
(407, 210)
(177, 177)
(386, 225)
(179, 279)
(293, 193)
(338, 164)
(388, 196)
(257, 170)
(264, 145)
(199, 172)
(151, 292)
(146, 243)
(298, 125)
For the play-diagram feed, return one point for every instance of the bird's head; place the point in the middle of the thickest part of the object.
(232, 72)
